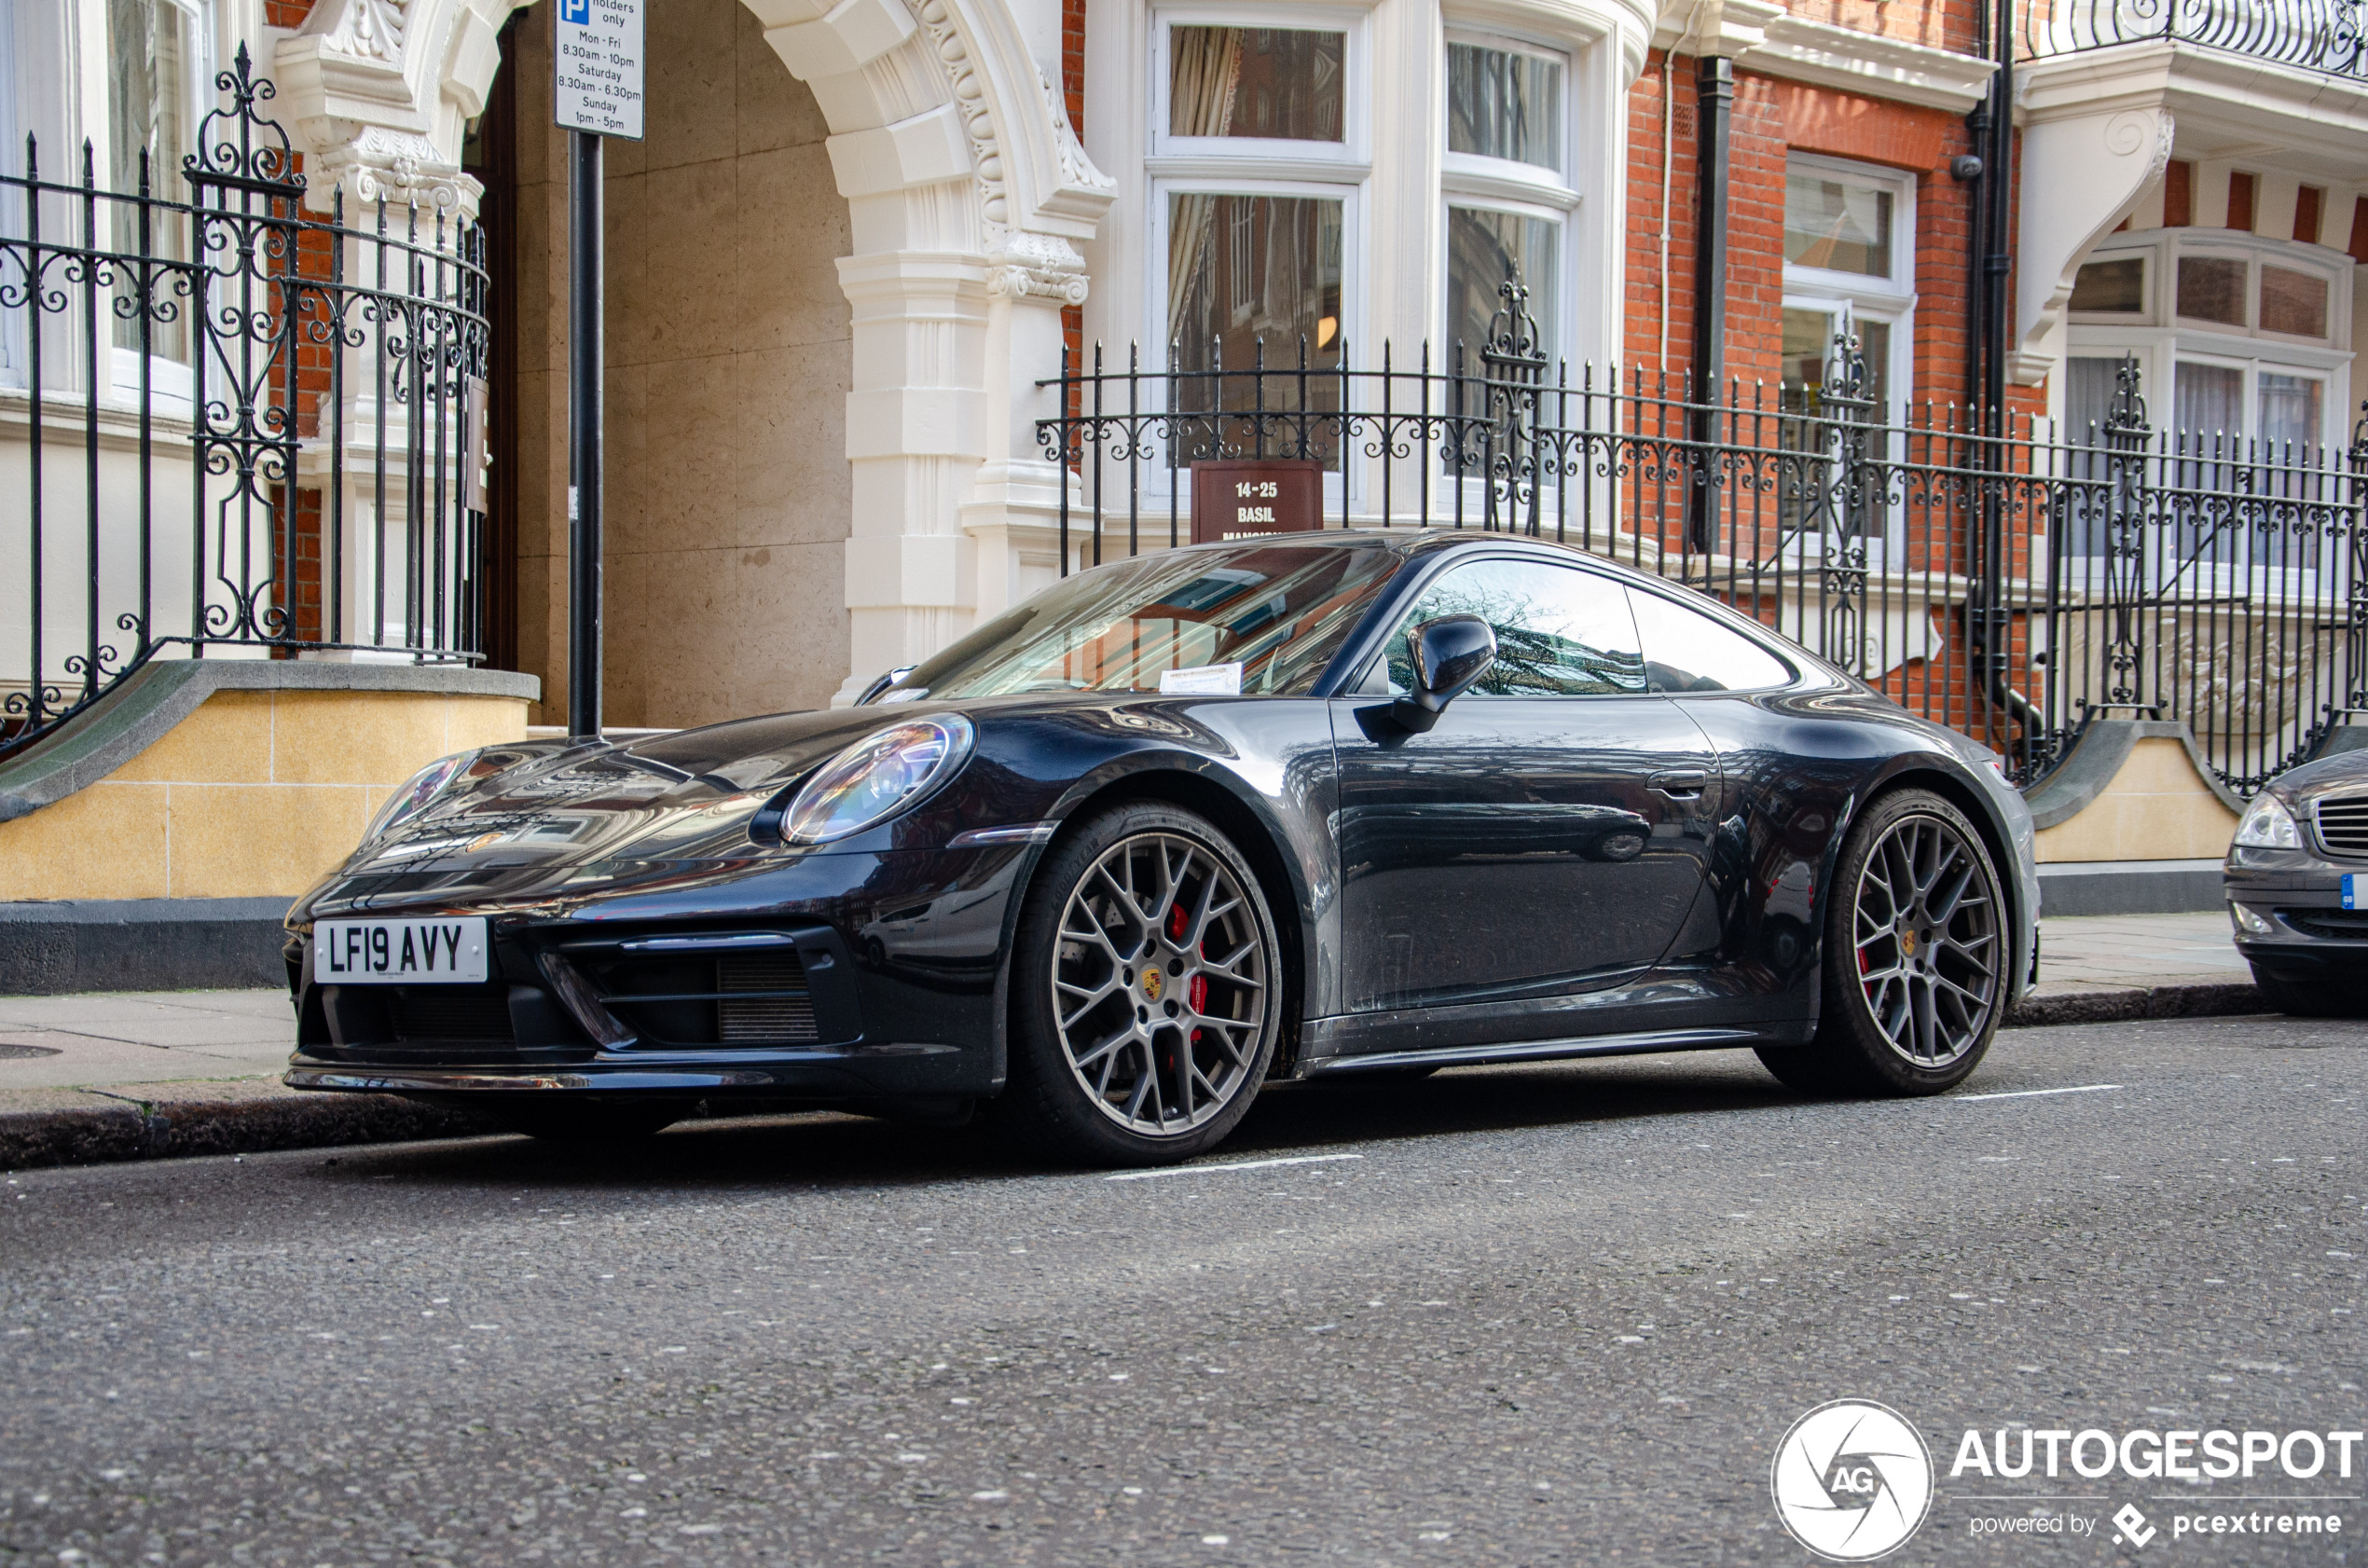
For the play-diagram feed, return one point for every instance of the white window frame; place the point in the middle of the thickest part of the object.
(1353, 154)
(2160, 338)
(1504, 184)
(172, 383)
(1256, 166)
(1507, 179)
(1852, 295)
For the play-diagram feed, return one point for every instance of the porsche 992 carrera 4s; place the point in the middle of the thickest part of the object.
(1302, 806)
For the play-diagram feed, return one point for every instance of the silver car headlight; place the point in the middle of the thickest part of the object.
(876, 777)
(2268, 825)
(417, 795)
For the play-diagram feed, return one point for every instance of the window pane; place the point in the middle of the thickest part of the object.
(1501, 103)
(1808, 359)
(1281, 612)
(2290, 409)
(2207, 400)
(2211, 288)
(1559, 632)
(1243, 269)
(1484, 249)
(2117, 286)
(2293, 302)
(1837, 227)
(147, 112)
(1686, 651)
(1256, 81)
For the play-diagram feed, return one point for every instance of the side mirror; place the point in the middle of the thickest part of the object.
(1449, 654)
(880, 687)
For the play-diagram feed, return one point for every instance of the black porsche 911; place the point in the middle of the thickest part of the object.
(1175, 827)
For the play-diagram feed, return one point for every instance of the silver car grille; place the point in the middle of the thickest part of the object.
(787, 1014)
(2343, 826)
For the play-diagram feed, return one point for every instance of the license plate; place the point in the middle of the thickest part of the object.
(2351, 882)
(447, 952)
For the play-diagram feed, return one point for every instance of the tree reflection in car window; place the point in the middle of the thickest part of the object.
(1559, 632)
(1281, 612)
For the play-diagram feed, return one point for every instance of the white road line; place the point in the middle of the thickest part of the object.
(1238, 1166)
(2027, 1093)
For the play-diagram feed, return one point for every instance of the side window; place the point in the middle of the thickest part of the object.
(1559, 632)
(1686, 651)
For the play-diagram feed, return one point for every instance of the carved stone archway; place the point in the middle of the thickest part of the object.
(969, 196)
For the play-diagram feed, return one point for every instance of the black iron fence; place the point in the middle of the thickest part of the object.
(1991, 574)
(2327, 35)
(230, 426)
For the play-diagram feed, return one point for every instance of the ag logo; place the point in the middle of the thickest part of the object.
(1853, 1480)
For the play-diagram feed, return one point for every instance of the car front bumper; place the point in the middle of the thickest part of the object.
(885, 981)
(2310, 937)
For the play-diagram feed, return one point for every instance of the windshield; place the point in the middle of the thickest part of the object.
(1280, 611)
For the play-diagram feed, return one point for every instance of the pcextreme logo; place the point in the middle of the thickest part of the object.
(1853, 1480)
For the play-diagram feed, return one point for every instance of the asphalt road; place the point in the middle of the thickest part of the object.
(1557, 1314)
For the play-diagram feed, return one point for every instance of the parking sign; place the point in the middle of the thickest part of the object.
(598, 67)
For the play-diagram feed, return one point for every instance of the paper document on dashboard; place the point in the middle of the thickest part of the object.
(1202, 681)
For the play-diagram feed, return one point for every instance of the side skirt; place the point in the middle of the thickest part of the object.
(1641, 1044)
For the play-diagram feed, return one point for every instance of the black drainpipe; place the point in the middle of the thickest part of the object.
(1713, 152)
(1991, 127)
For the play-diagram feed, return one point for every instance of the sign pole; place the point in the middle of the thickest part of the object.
(597, 63)
(584, 335)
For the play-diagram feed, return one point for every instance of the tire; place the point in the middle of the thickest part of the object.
(585, 1126)
(2309, 999)
(1117, 1062)
(1914, 969)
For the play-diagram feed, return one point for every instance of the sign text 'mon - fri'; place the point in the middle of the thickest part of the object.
(598, 58)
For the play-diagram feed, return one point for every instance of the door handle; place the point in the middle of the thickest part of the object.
(1682, 783)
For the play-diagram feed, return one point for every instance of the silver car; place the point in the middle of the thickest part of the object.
(2297, 886)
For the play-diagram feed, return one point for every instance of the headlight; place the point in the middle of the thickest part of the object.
(878, 776)
(2268, 826)
(414, 797)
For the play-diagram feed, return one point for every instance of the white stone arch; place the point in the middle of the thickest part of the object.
(969, 196)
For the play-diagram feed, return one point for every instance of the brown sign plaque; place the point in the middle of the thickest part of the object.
(1242, 497)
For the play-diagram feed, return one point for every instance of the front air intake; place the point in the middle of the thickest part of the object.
(761, 1000)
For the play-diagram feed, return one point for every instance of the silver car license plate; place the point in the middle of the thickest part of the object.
(450, 951)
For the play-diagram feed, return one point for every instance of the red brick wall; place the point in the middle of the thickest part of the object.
(1771, 120)
(286, 13)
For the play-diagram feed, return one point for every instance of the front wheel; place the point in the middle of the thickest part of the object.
(1915, 966)
(1146, 991)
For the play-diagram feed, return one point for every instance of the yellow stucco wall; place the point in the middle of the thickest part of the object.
(2156, 808)
(256, 795)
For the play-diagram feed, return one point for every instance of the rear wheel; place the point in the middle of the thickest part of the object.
(1146, 991)
(1916, 960)
(2311, 999)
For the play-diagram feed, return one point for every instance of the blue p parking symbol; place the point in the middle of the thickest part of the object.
(577, 13)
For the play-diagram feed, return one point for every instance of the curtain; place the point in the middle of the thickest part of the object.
(1205, 70)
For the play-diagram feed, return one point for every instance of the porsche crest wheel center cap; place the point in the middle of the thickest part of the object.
(1151, 984)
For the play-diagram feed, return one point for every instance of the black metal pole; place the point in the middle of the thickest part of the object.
(1714, 80)
(584, 353)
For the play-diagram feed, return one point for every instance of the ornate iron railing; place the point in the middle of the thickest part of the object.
(1986, 572)
(229, 426)
(2328, 36)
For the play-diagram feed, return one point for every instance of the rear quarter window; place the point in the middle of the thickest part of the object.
(1686, 651)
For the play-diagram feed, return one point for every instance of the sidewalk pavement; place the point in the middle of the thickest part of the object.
(136, 1074)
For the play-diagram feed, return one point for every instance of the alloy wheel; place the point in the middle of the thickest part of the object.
(1159, 976)
(1926, 924)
